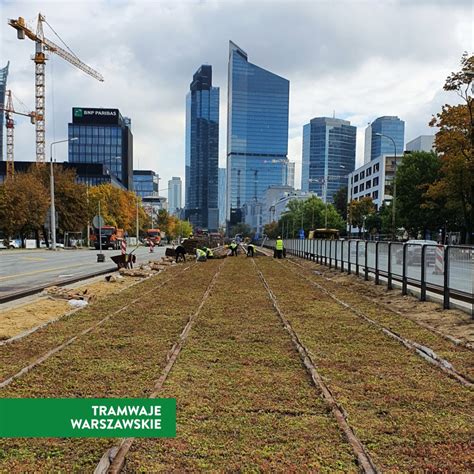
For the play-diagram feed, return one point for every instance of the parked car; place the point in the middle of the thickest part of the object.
(12, 244)
(413, 254)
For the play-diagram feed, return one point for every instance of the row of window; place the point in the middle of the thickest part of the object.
(374, 196)
(94, 131)
(366, 185)
(367, 172)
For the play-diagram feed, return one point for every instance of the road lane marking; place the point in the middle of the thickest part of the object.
(48, 270)
(37, 259)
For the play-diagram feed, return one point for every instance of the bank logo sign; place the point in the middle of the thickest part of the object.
(87, 417)
(86, 115)
(78, 113)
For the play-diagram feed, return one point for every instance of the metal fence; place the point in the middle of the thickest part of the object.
(444, 270)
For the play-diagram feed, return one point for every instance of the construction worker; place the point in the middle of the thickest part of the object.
(209, 253)
(200, 255)
(279, 248)
(233, 247)
(180, 253)
(250, 250)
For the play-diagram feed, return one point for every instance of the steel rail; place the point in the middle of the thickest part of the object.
(363, 457)
(7, 381)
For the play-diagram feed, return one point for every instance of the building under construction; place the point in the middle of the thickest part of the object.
(3, 87)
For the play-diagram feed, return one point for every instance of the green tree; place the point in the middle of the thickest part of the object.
(359, 210)
(242, 229)
(340, 202)
(455, 142)
(272, 230)
(415, 211)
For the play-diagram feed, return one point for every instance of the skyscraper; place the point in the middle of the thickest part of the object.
(329, 149)
(3, 87)
(290, 174)
(390, 126)
(257, 132)
(103, 137)
(222, 196)
(174, 194)
(202, 151)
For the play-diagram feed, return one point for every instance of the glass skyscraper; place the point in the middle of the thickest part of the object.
(202, 151)
(392, 127)
(222, 195)
(174, 195)
(329, 151)
(257, 132)
(3, 87)
(104, 136)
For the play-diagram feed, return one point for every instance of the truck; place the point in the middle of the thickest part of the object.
(111, 237)
(155, 236)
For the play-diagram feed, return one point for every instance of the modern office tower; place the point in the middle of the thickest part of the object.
(146, 183)
(368, 144)
(329, 150)
(392, 127)
(103, 137)
(421, 143)
(257, 132)
(222, 196)
(290, 174)
(175, 187)
(202, 151)
(3, 87)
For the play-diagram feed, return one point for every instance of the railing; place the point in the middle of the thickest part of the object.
(445, 270)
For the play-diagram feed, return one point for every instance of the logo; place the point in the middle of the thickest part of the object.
(78, 113)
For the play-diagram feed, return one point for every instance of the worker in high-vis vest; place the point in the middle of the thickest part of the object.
(250, 250)
(279, 248)
(200, 255)
(209, 252)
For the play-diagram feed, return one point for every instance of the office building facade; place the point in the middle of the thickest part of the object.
(222, 196)
(103, 137)
(329, 152)
(3, 88)
(290, 174)
(390, 126)
(202, 151)
(421, 143)
(257, 132)
(175, 189)
(146, 183)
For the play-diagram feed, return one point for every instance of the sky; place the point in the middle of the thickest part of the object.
(356, 59)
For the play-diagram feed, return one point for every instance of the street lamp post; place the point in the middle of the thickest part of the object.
(394, 194)
(51, 183)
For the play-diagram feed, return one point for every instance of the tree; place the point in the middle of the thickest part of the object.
(340, 201)
(359, 210)
(272, 230)
(242, 229)
(415, 211)
(455, 142)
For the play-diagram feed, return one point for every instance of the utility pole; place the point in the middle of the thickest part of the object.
(137, 222)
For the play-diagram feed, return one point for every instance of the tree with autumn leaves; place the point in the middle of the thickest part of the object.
(454, 142)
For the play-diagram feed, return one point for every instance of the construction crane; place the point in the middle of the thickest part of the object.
(42, 45)
(10, 126)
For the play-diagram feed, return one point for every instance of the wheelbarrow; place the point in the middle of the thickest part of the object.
(124, 260)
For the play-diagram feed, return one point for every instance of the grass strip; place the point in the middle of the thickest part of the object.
(410, 416)
(20, 353)
(460, 357)
(245, 402)
(122, 358)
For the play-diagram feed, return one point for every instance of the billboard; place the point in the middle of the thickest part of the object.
(97, 116)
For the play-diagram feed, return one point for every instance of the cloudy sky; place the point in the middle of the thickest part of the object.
(357, 59)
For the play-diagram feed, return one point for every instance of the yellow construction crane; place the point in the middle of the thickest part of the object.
(42, 45)
(10, 126)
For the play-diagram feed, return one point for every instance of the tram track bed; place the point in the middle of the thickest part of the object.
(121, 358)
(408, 414)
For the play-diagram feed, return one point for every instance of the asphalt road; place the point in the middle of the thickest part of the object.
(25, 269)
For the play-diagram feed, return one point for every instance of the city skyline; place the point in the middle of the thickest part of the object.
(375, 79)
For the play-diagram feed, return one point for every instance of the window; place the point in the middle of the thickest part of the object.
(375, 181)
(356, 189)
(361, 186)
(369, 171)
(367, 195)
(367, 184)
(362, 174)
(375, 195)
(356, 178)
(376, 167)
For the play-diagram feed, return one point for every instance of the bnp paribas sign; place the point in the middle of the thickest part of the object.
(100, 116)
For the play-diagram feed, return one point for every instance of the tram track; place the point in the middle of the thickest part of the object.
(45, 356)
(423, 351)
(363, 457)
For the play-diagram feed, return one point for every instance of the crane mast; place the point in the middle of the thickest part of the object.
(42, 45)
(10, 124)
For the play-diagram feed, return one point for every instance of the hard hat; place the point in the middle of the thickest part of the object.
(279, 237)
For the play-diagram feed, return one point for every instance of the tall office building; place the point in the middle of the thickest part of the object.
(222, 196)
(257, 132)
(174, 195)
(146, 183)
(390, 126)
(3, 87)
(202, 151)
(290, 174)
(421, 143)
(103, 137)
(329, 150)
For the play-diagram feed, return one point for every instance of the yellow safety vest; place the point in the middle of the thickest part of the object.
(279, 244)
(200, 253)
(209, 253)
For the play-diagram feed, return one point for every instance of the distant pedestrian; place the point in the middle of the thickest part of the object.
(180, 253)
(279, 248)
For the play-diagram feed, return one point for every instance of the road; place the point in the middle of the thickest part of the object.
(25, 269)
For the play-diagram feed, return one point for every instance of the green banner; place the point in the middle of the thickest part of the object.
(87, 417)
